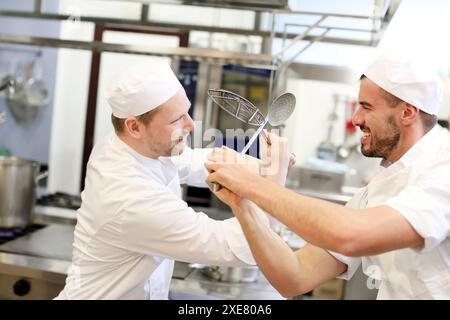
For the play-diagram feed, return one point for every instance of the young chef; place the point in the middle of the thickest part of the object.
(132, 223)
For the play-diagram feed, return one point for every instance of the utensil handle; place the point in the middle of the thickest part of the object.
(213, 186)
(255, 135)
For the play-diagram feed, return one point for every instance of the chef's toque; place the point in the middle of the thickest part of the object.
(408, 80)
(141, 88)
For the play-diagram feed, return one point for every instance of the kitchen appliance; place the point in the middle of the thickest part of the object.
(18, 180)
(321, 180)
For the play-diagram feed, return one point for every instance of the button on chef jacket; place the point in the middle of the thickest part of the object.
(417, 186)
(132, 224)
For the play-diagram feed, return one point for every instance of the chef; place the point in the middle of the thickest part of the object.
(132, 223)
(398, 226)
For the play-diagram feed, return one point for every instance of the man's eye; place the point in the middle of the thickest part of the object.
(178, 119)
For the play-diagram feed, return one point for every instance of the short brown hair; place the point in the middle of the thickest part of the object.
(119, 123)
(428, 120)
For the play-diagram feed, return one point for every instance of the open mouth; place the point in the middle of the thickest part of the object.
(365, 137)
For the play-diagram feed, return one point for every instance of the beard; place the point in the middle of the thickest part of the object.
(179, 145)
(383, 147)
(178, 148)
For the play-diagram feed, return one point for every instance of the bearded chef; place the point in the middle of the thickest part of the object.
(132, 223)
(397, 227)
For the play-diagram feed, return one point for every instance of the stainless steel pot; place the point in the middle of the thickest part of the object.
(18, 180)
(229, 274)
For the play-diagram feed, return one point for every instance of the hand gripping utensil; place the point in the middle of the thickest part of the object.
(242, 109)
(238, 107)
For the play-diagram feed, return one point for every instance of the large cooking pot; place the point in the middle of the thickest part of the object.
(18, 180)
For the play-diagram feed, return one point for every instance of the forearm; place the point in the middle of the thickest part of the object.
(274, 257)
(319, 222)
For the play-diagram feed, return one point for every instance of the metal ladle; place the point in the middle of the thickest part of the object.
(279, 111)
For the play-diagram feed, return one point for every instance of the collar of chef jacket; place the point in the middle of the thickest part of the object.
(418, 155)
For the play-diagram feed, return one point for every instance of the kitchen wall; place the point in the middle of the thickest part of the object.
(28, 140)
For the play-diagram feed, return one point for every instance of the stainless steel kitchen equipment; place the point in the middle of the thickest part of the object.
(279, 111)
(34, 265)
(242, 109)
(29, 95)
(237, 106)
(320, 180)
(7, 84)
(18, 179)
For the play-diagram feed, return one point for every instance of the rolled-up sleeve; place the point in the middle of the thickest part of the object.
(425, 204)
(351, 262)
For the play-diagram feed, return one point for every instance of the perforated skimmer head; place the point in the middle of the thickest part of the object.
(237, 106)
(281, 109)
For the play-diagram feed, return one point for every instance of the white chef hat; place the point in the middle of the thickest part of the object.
(409, 80)
(141, 88)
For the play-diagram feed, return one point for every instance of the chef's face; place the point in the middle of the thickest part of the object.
(378, 120)
(167, 132)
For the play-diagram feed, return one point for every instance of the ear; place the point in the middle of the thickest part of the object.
(133, 127)
(410, 114)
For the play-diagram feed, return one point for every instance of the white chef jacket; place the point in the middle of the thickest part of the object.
(418, 187)
(132, 224)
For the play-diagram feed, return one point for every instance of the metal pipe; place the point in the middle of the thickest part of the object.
(332, 27)
(98, 46)
(337, 15)
(300, 36)
(305, 47)
(37, 52)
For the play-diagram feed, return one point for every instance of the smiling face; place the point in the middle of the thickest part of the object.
(378, 120)
(167, 132)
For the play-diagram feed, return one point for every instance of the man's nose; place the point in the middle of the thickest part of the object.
(357, 118)
(189, 125)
